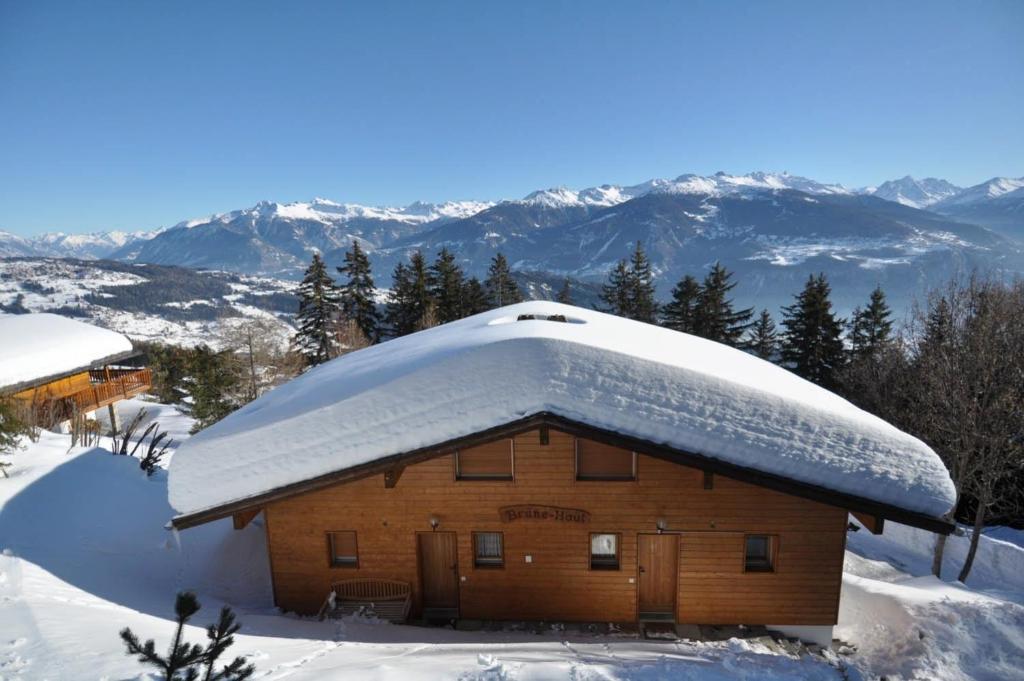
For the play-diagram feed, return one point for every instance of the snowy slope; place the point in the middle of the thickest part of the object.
(84, 552)
(612, 373)
(34, 346)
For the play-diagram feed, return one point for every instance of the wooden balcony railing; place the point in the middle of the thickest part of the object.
(111, 385)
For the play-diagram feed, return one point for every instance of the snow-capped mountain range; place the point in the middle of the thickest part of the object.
(772, 228)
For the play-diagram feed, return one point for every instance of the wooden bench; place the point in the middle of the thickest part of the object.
(388, 599)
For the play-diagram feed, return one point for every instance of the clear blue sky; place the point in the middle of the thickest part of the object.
(138, 114)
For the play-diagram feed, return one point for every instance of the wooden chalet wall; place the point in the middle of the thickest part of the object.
(558, 584)
(62, 387)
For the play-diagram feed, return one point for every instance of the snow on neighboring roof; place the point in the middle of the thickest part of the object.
(34, 347)
(611, 373)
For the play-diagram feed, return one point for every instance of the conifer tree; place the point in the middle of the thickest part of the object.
(812, 345)
(214, 385)
(409, 300)
(564, 294)
(644, 307)
(714, 317)
(318, 314)
(357, 294)
(189, 662)
(870, 327)
(446, 287)
(501, 288)
(762, 339)
(475, 298)
(615, 294)
(12, 425)
(630, 289)
(679, 313)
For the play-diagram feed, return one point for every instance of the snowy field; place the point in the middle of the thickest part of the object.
(85, 553)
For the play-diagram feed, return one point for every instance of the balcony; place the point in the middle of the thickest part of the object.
(111, 385)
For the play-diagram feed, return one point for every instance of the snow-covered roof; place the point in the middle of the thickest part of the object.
(610, 373)
(38, 347)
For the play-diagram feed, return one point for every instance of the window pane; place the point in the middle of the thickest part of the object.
(604, 551)
(488, 548)
(759, 552)
(492, 460)
(597, 461)
(343, 548)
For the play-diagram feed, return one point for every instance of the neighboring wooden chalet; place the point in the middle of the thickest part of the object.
(59, 367)
(544, 462)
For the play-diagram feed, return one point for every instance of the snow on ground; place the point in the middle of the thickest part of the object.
(84, 552)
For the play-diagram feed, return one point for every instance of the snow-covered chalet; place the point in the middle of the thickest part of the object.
(57, 368)
(546, 462)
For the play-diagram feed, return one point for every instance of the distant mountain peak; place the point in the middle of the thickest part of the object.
(915, 193)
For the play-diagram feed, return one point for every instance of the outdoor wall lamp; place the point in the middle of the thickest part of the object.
(434, 522)
(661, 524)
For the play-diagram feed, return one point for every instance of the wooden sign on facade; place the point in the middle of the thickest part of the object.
(555, 514)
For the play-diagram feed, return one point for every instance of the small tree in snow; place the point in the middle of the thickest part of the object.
(12, 426)
(191, 662)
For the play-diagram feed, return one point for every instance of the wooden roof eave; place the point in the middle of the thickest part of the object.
(43, 380)
(733, 471)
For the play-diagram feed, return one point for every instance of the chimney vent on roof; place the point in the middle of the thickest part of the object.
(542, 317)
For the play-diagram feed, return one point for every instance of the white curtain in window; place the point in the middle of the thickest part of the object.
(603, 544)
(488, 545)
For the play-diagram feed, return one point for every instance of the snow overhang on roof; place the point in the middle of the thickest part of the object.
(39, 348)
(614, 375)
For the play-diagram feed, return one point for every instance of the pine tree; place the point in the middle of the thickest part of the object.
(565, 293)
(645, 309)
(501, 288)
(871, 327)
(214, 385)
(630, 289)
(185, 661)
(12, 425)
(615, 294)
(409, 299)
(446, 287)
(357, 295)
(714, 317)
(679, 313)
(762, 339)
(475, 298)
(318, 315)
(812, 345)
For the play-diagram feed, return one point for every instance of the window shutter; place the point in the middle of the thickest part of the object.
(488, 461)
(597, 461)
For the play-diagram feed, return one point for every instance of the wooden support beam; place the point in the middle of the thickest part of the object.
(243, 518)
(544, 437)
(875, 524)
(709, 480)
(392, 475)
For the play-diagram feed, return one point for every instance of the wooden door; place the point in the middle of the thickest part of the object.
(439, 571)
(657, 559)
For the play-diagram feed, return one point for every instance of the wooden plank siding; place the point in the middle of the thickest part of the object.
(558, 584)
